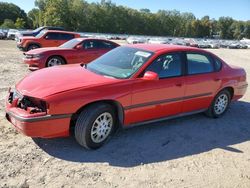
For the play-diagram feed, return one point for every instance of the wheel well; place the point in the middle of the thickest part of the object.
(55, 56)
(28, 45)
(231, 91)
(116, 106)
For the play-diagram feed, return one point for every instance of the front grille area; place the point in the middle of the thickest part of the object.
(32, 105)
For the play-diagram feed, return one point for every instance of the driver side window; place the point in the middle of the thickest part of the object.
(89, 44)
(168, 65)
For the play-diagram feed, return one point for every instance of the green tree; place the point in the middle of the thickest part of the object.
(224, 24)
(107, 17)
(246, 32)
(8, 24)
(20, 23)
(11, 12)
(35, 15)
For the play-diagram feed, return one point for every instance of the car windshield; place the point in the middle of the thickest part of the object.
(70, 44)
(40, 34)
(121, 63)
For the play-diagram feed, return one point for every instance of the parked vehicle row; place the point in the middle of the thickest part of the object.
(199, 43)
(193, 42)
(127, 86)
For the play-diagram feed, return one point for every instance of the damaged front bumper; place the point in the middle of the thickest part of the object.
(38, 123)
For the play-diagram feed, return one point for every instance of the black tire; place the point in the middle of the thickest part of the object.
(32, 47)
(58, 58)
(85, 123)
(211, 112)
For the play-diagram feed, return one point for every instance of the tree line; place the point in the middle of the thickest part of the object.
(107, 17)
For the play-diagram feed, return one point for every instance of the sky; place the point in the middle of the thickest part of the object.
(237, 9)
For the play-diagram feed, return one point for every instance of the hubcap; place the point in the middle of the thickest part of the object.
(221, 104)
(54, 62)
(101, 127)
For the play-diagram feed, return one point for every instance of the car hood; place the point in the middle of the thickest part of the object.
(28, 38)
(26, 33)
(53, 80)
(44, 50)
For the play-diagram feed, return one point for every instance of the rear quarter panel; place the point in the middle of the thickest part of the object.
(234, 77)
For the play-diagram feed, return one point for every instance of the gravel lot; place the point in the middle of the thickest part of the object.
(193, 151)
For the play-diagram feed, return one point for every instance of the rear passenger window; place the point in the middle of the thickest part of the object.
(105, 45)
(198, 63)
(63, 36)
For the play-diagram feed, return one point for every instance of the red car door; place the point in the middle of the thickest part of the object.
(50, 40)
(158, 98)
(54, 39)
(202, 81)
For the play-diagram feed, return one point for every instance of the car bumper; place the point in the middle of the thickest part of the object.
(240, 91)
(20, 47)
(40, 125)
(35, 63)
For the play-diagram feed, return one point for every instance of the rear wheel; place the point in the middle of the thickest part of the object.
(54, 61)
(32, 47)
(95, 125)
(220, 104)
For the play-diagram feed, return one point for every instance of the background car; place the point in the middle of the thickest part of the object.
(12, 34)
(3, 33)
(46, 38)
(130, 85)
(36, 31)
(79, 50)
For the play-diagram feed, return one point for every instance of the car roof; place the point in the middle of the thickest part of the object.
(59, 31)
(161, 47)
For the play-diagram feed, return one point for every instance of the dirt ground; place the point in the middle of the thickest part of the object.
(193, 151)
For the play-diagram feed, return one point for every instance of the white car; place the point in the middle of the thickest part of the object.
(158, 41)
(1, 35)
(136, 40)
(12, 34)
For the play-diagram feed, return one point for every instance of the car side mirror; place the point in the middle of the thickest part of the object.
(79, 47)
(149, 75)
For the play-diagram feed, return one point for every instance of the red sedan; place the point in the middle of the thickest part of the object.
(77, 50)
(130, 85)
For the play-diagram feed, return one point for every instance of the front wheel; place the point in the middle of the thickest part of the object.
(220, 104)
(32, 47)
(54, 61)
(95, 125)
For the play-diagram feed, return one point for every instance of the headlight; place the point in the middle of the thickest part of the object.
(37, 55)
(14, 94)
(31, 56)
(33, 105)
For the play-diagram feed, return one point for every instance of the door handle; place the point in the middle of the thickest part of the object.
(178, 84)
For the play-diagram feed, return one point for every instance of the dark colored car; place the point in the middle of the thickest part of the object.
(37, 31)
